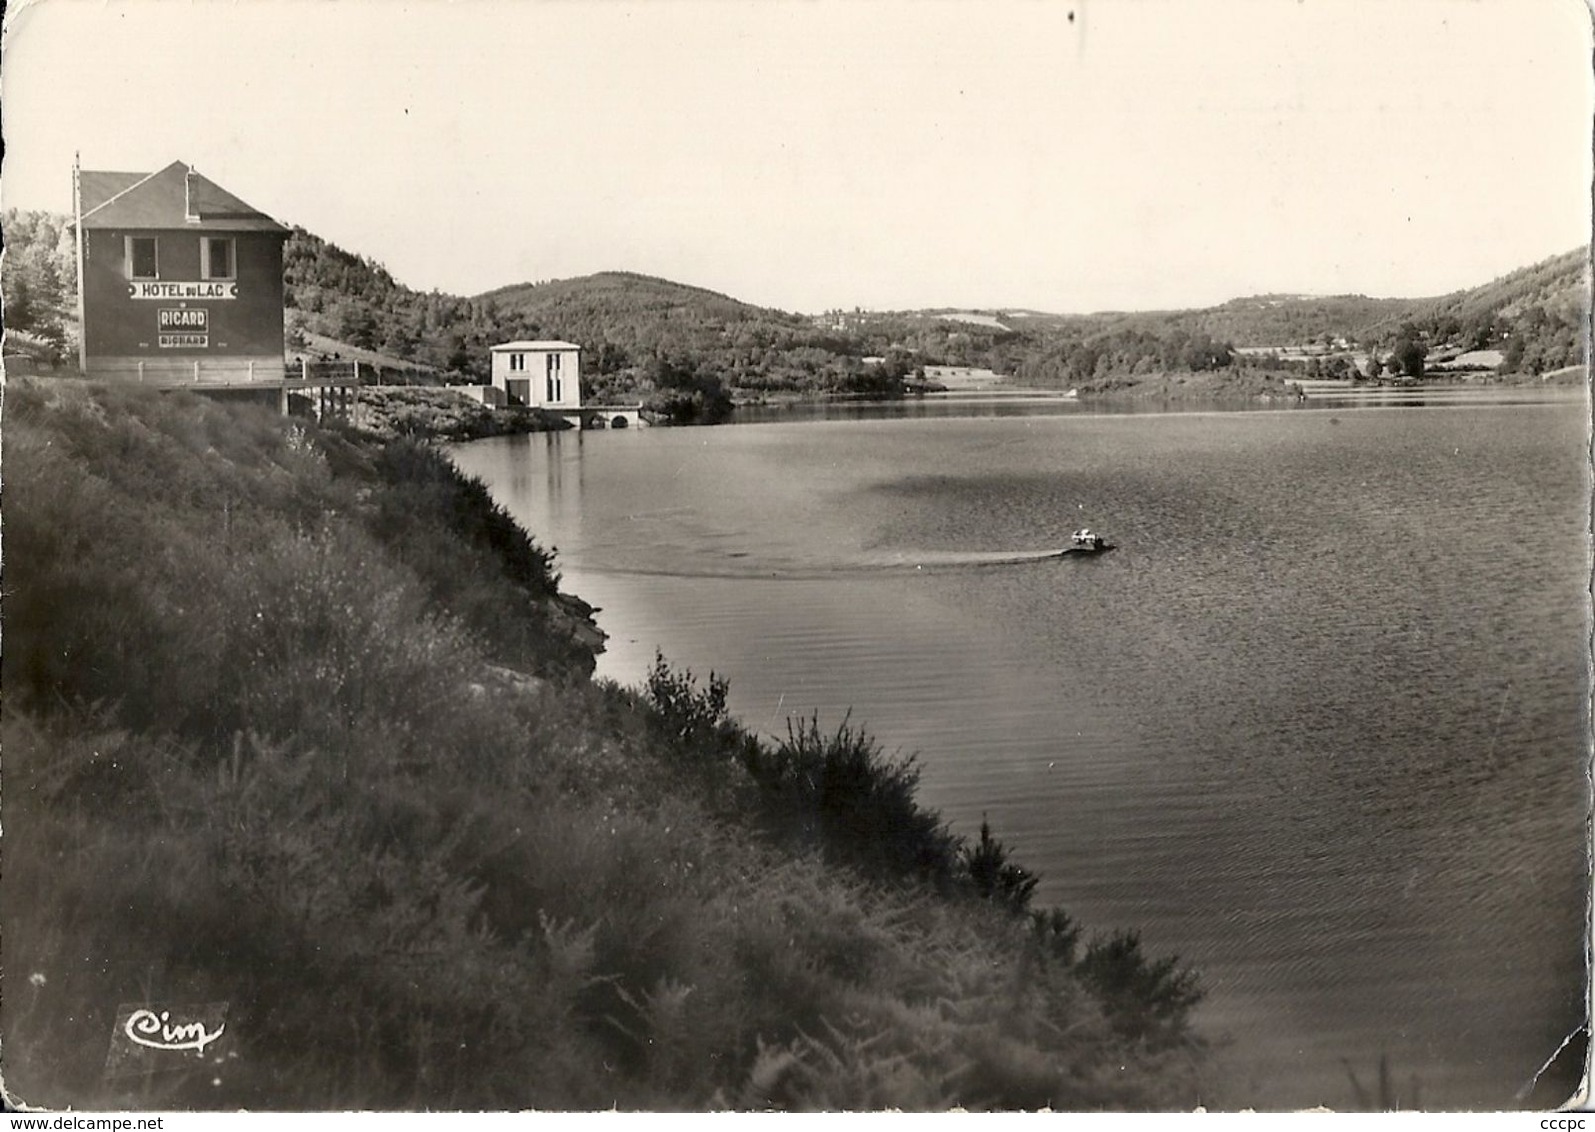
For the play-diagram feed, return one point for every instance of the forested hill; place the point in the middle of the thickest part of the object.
(1557, 286)
(1274, 320)
(608, 291)
(1538, 315)
(679, 346)
(1534, 319)
(627, 322)
(644, 334)
(353, 299)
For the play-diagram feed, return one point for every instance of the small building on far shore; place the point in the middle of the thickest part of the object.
(540, 375)
(546, 374)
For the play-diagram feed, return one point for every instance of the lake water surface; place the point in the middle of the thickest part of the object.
(1318, 725)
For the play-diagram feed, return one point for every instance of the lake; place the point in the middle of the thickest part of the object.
(1319, 724)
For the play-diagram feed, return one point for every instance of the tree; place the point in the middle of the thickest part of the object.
(994, 875)
(1512, 357)
(685, 392)
(1479, 331)
(1144, 999)
(1409, 355)
(38, 252)
(21, 311)
(1203, 353)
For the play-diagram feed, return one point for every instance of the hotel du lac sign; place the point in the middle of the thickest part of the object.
(145, 289)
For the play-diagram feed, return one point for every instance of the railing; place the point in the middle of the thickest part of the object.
(170, 372)
(213, 371)
(334, 372)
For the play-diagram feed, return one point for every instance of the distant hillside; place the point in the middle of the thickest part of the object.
(1274, 320)
(1557, 285)
(623, 319)
(1550, 295)
(353, 300)
(649, 336)
(626, 320)
(688, 350)
(1535, 319)
(609, 291)
(1538, 316)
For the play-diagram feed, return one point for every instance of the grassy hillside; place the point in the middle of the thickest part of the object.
(299, 721)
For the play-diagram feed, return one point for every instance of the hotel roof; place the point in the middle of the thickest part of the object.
(174, 197)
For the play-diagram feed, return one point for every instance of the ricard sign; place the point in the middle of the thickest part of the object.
(185, 318)
(183, 328)
(162, 289)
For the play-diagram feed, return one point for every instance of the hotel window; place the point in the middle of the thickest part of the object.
(217, 258)
(141, 259)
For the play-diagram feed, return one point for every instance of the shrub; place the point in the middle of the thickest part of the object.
(1146, 1000)
(839, 793)
(687, 719)
(1056, 933)
(994, 876)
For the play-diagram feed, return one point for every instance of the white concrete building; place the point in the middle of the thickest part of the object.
(541, 374)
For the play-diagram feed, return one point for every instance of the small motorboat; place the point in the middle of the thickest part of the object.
(1087, 540)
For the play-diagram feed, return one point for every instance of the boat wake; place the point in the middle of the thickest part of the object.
(773, 567)
(931, 559)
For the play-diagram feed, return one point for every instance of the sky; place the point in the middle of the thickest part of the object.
(1058, 155)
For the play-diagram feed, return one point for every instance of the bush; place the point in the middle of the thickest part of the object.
(995, 877)
(686, 719)
(1056, 933)
(839, 793)
(1146, 1000)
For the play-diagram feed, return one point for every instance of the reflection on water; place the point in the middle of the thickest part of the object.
(1018, 402)
(1318, 724)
